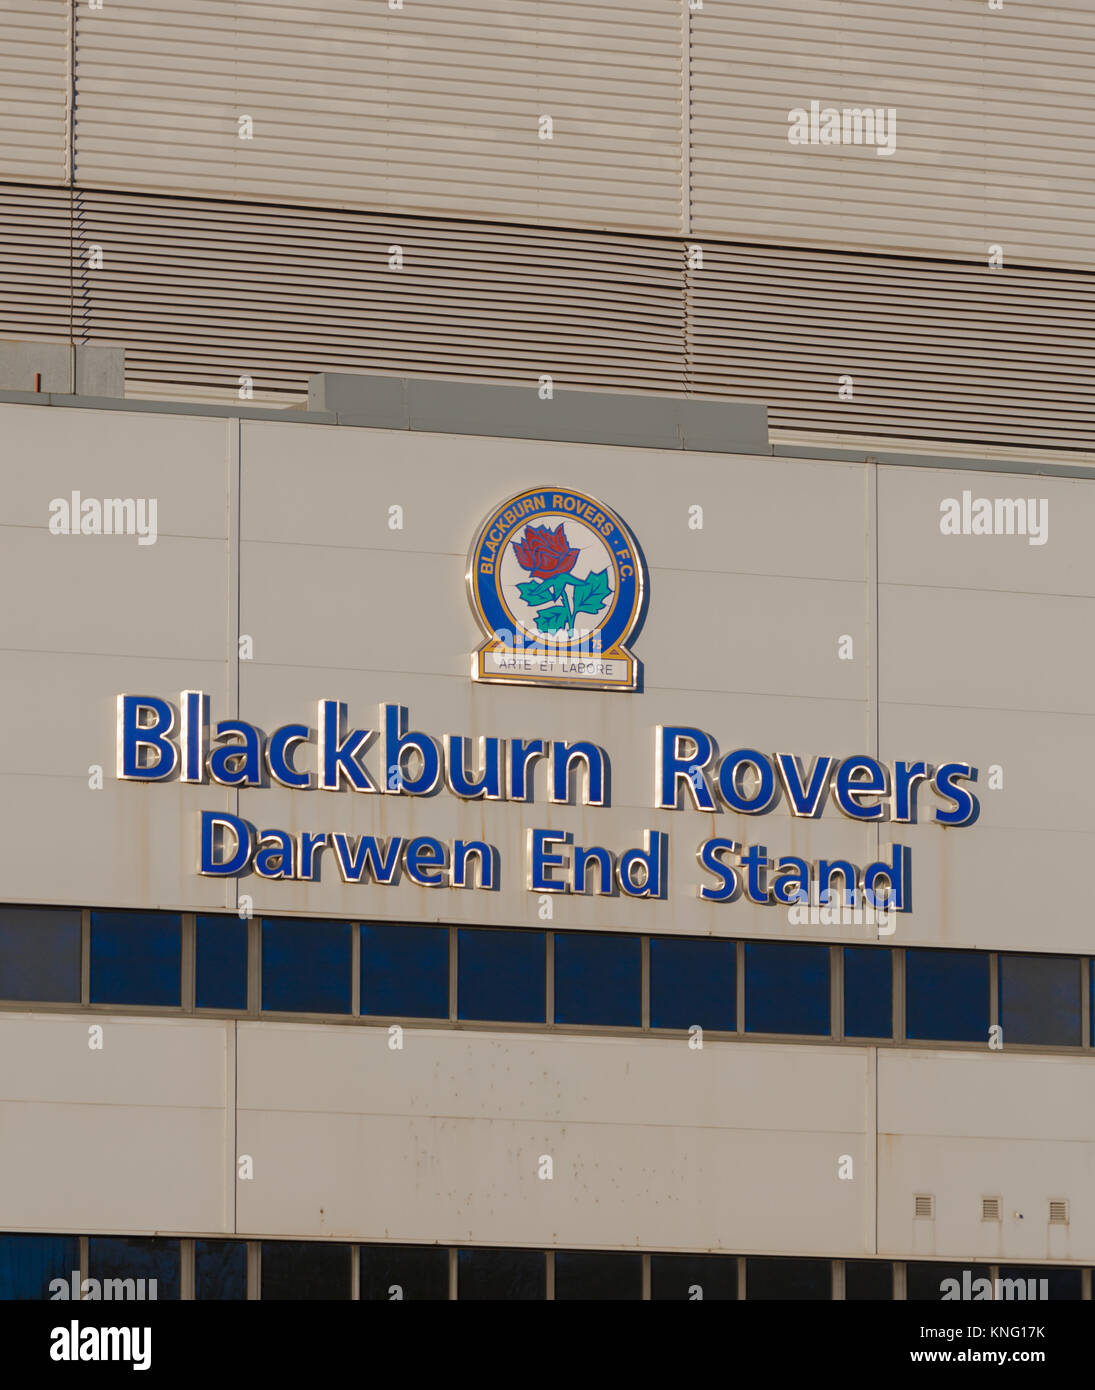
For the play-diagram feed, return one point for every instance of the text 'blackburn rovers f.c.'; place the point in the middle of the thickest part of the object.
(558, 584)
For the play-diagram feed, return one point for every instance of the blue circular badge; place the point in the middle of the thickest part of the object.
(557, 583)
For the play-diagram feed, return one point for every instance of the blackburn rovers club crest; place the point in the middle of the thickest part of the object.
(557, 583)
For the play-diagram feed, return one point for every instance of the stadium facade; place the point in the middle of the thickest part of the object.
(545, 697)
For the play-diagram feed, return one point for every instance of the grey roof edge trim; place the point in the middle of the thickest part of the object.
(951, 463)
(151, 407)
(566, 414)
(696, 433)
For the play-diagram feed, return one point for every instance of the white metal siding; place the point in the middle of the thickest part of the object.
(934, 350)
(202, 293)
(995, 126)
(432, 108)
(34, 88)
(35, 289)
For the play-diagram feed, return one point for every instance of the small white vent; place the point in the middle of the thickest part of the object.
(1058, 1213)
(924, 1205)
(990, 1208)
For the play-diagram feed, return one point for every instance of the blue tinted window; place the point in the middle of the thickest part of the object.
(592, 1274)
(947, 995)
(786, 988)
(29, 1264)
(868, 992)
(679, 1276)
(301, 1269)
(401, 1272)
(126, 1259)
(220, 1269)
(404, 970)
(598, 979)
(1060, 1284)
(924, 1282)
(770, 1277)
(692, 982)
(501, 1274)
(306, 966)
(136, 958)
(501, 975)
(221, 963)
(40, 954)
(868, 1280)
(1040, 1000)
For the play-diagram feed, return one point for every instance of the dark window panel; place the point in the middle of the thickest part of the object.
(786, 988)
(770, 1277)
(868, 992)
(1060, 1284)
(1040, 1000)
(220, 1269)
(947, 996)
(692, 982)
(391, 1272)
(694, 1277)
(136, 958)
(129, 1258)
(40, 954)
(501, 976)
(589, 1275)
(221, 967)
(29, 1264)
(404, 970)
(501, 1274)
(305, 1270)
(868, 1279)
(924, 1280)
(598, 979)
(306, 966)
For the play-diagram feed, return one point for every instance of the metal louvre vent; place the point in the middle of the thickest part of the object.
(201, 293)
(924, 1205)
(433, 108)
(930, 346)
(34, 89)
(1058, 1213)
(752, 62)
(990, 1208)
(35, 289)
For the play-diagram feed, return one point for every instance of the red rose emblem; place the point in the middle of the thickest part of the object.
(545, 553)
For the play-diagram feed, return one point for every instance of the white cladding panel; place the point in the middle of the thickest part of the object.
(131, 1136)
(339, 605)
(992, 110)
(655, 1146)
(434, 107)
(34, 90)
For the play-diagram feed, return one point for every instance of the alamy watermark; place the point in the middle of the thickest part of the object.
(852, 907)
(76, 1343)
(89, 1290)
(112, 516)
(995, 516)
(984, 1290)
(848, 125)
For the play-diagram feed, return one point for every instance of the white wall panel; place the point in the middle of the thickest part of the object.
(35, 42)
(994, 127)
(133, 1137)
(655, 1146)
(430, 108)
(962, 1127)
